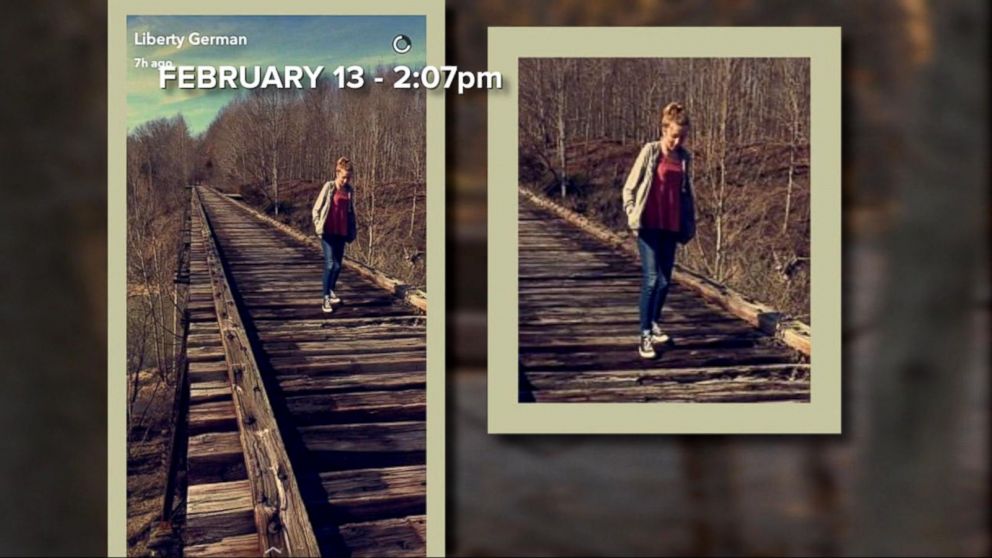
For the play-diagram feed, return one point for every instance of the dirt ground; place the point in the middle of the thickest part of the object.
(147, 459)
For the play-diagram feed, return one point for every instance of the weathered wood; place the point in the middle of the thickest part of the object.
(364, 406)
(355, 345)
(387, 538)
(208, 371)
(318, 324)
(352, 383)
(577, 333)
(635, 378)
(213, 416)
(668, 359)
(217, 511)
(415, 297)
(281, 518)
(240, 545)
(369, 494)
(204, 354)
(370, 437)
(756, 393)
(207, 391)
(304, 383)
(398, 362)
(791, 332)
(213, 446)
(211, 530)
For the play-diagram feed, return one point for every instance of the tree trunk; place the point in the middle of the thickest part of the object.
(561, 129)
(275, 180)
(792, 161)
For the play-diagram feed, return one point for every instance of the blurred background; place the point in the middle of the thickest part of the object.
(909, 476)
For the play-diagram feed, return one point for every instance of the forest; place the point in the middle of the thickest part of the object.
(583, 121)
(275, 148)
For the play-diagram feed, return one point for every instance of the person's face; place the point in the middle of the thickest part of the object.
(342, 177)
(673, 136)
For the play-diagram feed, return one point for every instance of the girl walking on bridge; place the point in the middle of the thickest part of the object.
(334, 221)
(657, 198)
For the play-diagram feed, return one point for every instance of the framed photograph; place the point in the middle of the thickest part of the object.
(276, 229)
(664, 226)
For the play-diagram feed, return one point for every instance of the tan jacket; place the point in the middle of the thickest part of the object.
(638, 184)
(323, 204)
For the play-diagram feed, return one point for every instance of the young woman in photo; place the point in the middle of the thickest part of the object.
(334, 221)
(657, 198)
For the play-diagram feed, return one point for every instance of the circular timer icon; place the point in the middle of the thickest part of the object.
(402, 44)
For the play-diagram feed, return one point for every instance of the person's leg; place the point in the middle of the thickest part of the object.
(647, 245)
(328, 260)
(337, 255)
(665, 261)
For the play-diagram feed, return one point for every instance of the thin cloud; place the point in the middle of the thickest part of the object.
(327, 41)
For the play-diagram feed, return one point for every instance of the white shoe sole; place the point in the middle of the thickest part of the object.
(327, 310)
(647, 355)
(664, 338)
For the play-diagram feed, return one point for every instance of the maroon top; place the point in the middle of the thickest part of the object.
(661, 209)
(337, 214)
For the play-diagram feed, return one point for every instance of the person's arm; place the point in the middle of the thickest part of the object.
(633, 179)
(318, 204)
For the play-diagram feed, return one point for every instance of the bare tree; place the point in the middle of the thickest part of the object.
(263, 143)
(749, 136)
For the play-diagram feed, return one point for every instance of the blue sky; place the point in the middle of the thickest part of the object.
(328, 41)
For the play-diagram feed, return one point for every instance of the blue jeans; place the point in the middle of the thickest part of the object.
(333, 254)
(657, 248)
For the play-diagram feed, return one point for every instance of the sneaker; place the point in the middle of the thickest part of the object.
(327, 308)
(646, 349)
(658, 336)
(334, 298)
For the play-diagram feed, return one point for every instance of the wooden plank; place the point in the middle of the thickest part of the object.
(367, 313)
(636, 378)
(353, 382)
(396, 362)
(387, 538)
(368, 494)
(687, 340)
(366, 438)
(330, 335)
(593, 330)
(217, 511)
(413, 296)
(207, 391)
(675, 357)
(213, 416)
(207, 371)
(317, 383)
(724, 391)
(213, 446)
(363, 406)
(240, 545)
(344, 347)
(791, 332)
(281, 518)
(338, 322)
(204, 354)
